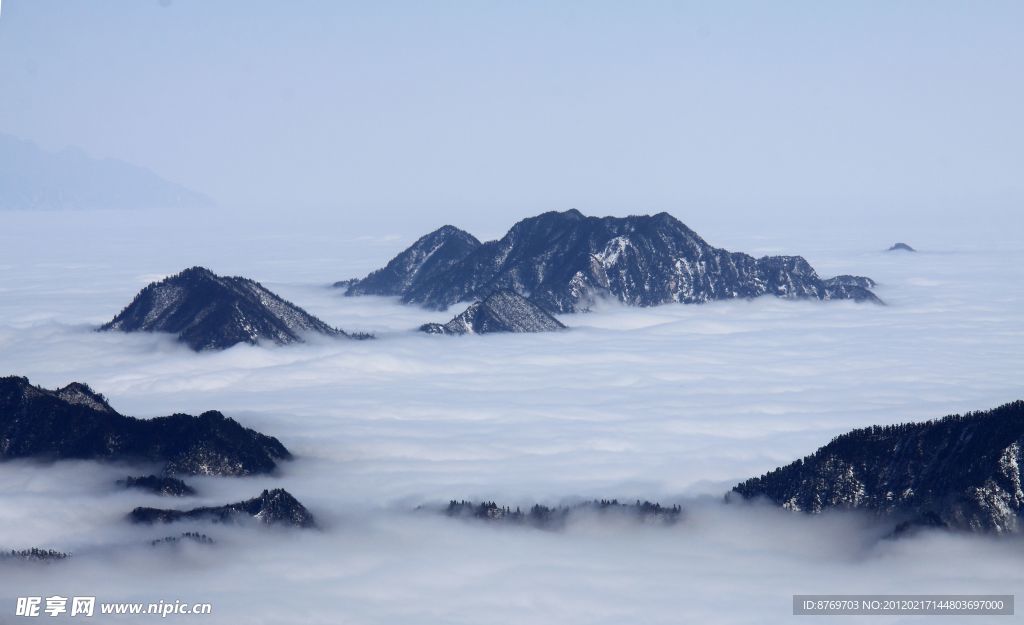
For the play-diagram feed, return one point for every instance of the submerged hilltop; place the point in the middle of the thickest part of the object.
(961, 472)
(501, 311)
(564, 262)
(271, 507)
(76, 422)
(207, 312)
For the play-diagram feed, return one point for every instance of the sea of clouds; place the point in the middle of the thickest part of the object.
(674, 404)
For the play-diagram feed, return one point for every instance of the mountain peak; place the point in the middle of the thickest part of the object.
(207, 311)
(429, 257)
(566, 262)
(449, 230)
(80, 393)
(195, 272)
(14, 382)
(503, 310)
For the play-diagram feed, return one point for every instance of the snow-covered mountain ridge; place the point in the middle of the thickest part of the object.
(565, 262)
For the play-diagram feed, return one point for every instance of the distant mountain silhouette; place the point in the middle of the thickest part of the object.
(207, 311)
(34, 179)
(901, 247)
(501, 311)
(961, 472)
(565, 262)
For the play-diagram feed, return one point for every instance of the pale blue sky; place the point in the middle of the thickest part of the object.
(454, 107)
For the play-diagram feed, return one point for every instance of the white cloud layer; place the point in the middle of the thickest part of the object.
(669, 404)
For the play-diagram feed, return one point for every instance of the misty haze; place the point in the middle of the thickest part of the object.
(484, 313)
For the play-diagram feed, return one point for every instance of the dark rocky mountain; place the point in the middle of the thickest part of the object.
(36, 422)
(207, 311)
(501, 311)
(545, 517)
(424, 261)
(564, 262)
(159, 485)
(901, 247)
(961, 472)
(271, 507)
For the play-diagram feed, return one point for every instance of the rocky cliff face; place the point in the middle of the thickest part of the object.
(207, 311)
(564, 262)
(962, 472)
(501, 311)
(36, 422)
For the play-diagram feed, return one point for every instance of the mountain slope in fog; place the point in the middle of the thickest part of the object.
(962, 471)
(271, 507)
(36, 422)
(422, 262)
(501, 311)
(34, 179)
(207, 311)
(566, 261)
(163, 485)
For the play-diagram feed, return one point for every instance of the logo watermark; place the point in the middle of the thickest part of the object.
(58, 605)
(903, 605)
